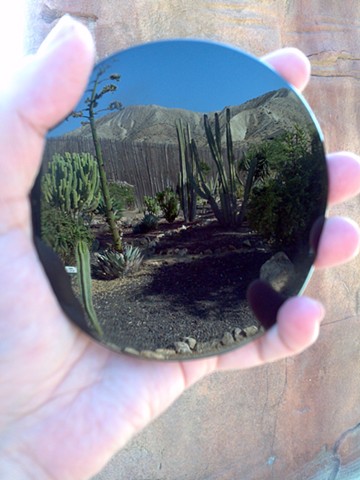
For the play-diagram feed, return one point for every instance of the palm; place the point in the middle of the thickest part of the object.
(66, 403)
(62, 378)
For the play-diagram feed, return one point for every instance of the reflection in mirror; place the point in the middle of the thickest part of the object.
(187, 171)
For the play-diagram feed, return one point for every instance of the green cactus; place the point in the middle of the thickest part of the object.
(169, 204)
(84, 277)
(187, 192)
(72, 183)
(226, 209)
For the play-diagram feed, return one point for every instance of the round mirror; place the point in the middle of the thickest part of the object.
(188, 171)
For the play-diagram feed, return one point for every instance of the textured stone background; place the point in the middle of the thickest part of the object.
(297, 419)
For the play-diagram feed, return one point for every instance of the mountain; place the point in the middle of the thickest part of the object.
(259, 119)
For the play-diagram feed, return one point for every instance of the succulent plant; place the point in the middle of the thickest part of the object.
(148, 223)
(111, 264)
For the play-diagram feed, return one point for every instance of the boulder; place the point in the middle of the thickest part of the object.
(278, 271)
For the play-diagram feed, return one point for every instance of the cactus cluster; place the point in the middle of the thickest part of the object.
(72, 183)
(222, 193)
(225, 210)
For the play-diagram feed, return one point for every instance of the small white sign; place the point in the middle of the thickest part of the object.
(71, 269)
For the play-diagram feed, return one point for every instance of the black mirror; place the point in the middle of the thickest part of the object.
(180, 197)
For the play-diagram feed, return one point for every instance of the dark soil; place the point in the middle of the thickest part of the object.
(192, 283)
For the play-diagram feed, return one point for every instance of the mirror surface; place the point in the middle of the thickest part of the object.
(187, 171)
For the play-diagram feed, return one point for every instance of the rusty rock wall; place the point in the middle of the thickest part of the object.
(297, 419)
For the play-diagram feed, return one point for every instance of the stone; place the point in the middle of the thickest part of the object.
(166, 352)
(227, 339)
(238, 334)
(132, 351)
(126, 222)
(191, 342)
(278, 271)
(182, 347)
(153, 243)
(182, 252)
(247, 243)
(251, 330)
(152, 355)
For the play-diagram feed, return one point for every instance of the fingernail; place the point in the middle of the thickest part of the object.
(62, 30)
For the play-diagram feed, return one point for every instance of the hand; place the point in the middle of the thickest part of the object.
(66, 403)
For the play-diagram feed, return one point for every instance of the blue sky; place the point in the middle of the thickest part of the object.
(191, 74)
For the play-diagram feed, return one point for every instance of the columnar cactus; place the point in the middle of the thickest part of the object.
(187, 190)
(84, 277)
(72, 183)
(226, 211)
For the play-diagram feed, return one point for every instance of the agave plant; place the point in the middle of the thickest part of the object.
(111, 264)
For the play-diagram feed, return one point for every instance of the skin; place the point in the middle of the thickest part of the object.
(67, 404)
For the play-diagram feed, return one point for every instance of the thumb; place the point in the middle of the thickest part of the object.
(43, 92)
(59, 74)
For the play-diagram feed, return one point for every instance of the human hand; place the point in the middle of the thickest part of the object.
(67, 404)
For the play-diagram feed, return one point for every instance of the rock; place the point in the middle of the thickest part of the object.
(153, 243)
(182, 252)
(132, 351)
(126, 222)
(182, 347)
(191, 342)
(251, 330)
(278, 271)
(238, 334)
(227, 339)
(166, 352)
(152, 355)
(208, 347)
(247, 243)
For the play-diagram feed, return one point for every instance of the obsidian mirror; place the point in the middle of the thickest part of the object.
(188, 171)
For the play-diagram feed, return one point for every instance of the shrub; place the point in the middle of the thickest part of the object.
(148, 223)
(284, 208)
(169, 204)
(151, 205)
(122, 196)
(62, 232)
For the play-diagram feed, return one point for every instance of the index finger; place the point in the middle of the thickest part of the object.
(292, 64)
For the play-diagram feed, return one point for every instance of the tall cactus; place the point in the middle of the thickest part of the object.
(84, 277)
(187, 190)
(226, 212)
(72, 183)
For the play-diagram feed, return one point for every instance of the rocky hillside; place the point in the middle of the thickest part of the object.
(139, 143)
(262, 118)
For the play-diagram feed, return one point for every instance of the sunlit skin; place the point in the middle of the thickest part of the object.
(67, 404)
